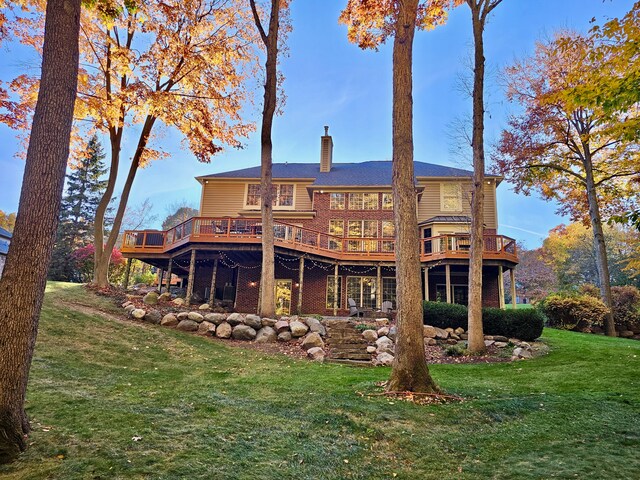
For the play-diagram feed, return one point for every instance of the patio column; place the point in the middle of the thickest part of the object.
(426, 284)
(161, 276)
(501, 286)
(512, 273)
(447, 274)
(300, 283)
(212, 289)
(127, 272)
(192, 274)
(169, 275)
(379, 288)
(335, 290)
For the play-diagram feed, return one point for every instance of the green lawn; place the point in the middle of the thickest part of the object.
(204, 410)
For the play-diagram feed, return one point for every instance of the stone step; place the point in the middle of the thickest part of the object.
(351, 356)
(354, 363)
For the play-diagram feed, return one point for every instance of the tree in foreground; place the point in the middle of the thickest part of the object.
(480, 10)
(24, 278)
(370, 24)
(266, 304)
(578, 155)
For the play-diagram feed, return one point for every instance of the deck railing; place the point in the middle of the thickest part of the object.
(241, 230)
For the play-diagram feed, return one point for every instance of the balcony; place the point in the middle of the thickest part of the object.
(249, 231)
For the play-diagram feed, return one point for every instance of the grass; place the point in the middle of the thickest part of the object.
(205, 410)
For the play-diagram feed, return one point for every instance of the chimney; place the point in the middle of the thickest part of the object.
(326, 151)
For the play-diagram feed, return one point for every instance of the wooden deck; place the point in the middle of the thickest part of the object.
(304, 240)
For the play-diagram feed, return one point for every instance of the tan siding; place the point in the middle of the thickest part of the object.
(429, 205)
(302, 201)
(222, 199)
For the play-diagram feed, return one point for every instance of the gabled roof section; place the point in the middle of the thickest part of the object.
(362, 174)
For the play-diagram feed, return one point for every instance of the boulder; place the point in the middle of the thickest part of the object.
(178, 301)
(269, 322)
(370, 335)
(451, 341)
(215, 318)
(126, 304)
(371, 349)
(501, 344)
(430, 341)
(138, 313)
(234, 319)
(129, 308)
(166, 296)
(383, 331)
(195, 316)
(284, 336)
(384, 359)
(188, 326)
(243, 332)
(281, 326)
(150, 298)
(464, 336)
(393, 331)
(459, 330)
(182, 315)
(224, 330)
(298, 329)
(521, 353)
(254, 321)
(312, 340)
(207, 328)
(488, 337)
(428, 331)
(315, 325)
(488, 343)
(441, 334)
(382, 322)
(626, 334)
(316, 354)
(449, 329)
(153, 316)
(169, 320)
(266, 335)
(500, 338)
(385, 344)
(204, 306)
(455, 336)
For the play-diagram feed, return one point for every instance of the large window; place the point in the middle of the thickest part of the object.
(331, 289)
(387, 201)
(336, 227)
(337, 201)
(363, 290)
(389, 290)
(282, 195)
(451, 197)
(362, 229)
(388, 231)
(363, 201)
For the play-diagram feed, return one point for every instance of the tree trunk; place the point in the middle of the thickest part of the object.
(600, 250)
(476, 334)
(267, 307)
(23, 283)
(410, 371)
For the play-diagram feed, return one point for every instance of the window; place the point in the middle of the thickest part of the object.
(363, 290)
(363, 201)
(389, 290)
(451, 197)
(336, 227)
(362, 229)
(337, 201)
(330, 290)
(387, 201)
(388, 231)
(282, 195)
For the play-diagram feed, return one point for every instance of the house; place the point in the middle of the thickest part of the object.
(334, 234)
(5, 240)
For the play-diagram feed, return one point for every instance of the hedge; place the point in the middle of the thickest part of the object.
(525, 324)
(573, 312)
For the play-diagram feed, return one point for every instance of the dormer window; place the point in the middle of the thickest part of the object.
(451, 197)
(282, 195)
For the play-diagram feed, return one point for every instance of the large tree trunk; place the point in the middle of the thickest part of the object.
(267, 307)
(600, 250)
(410, 371)
(24, 279)
(476, 334)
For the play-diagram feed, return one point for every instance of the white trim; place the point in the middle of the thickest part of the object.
(275, 207)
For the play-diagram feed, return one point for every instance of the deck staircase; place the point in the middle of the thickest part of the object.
(345, 343)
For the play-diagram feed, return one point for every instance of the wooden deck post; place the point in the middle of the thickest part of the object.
(447, 273)
(192, 274)
(300, 283)
(501, 286)
(379, 288)
(161, 276)
(335, 290)
(426, 284)
(127, 272)
(169, 274)
(212, 288)
(512, 273)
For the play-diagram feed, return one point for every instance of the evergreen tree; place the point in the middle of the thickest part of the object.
(77, 212)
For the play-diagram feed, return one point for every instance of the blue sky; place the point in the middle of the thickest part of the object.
(331, 82)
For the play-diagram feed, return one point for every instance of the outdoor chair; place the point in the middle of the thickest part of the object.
(354, 311)
(386, 307)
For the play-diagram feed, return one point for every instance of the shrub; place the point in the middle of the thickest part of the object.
(573, 312)
(626, 306)
(525, 324)
(146, 278)
(454, 351)
(361, 327)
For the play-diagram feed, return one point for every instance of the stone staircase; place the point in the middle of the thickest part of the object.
(345, 342)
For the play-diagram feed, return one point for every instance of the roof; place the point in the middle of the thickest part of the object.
(5, 233)
(4, 248)
(446, 219)
(364, 174)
